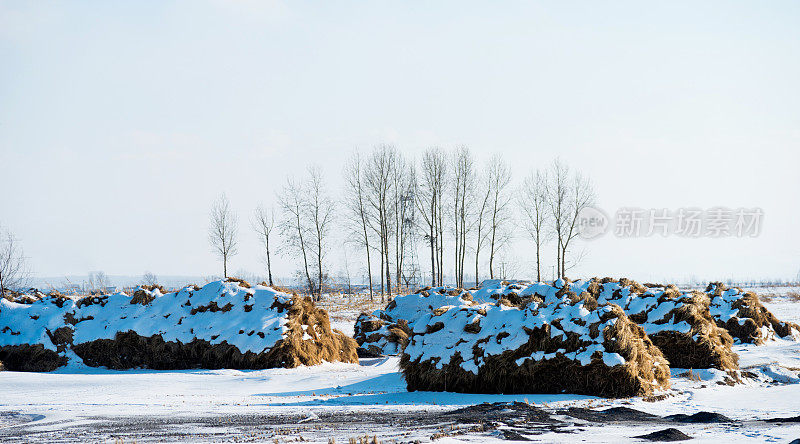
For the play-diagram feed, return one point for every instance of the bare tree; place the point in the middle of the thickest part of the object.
(344, 274)
(499, 230)
(430, 202)
(223, 231)
(356, 204)
(532, 200)
(264, 224)
(508, 267)
(462, 189)
(402, 195)
(13, 269)
(97, 281)
(149, 278)
(293, 227)
(321, 213)
(378, 177)
(557, 192)
(483, 195)
(567, 195)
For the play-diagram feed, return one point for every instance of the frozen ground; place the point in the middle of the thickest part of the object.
(343, 401)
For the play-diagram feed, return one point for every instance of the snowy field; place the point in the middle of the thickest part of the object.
(341, 402)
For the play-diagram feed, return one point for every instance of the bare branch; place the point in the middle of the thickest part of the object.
(13, 268)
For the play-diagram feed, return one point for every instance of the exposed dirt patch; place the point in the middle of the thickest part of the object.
(665, 435)
(700, 418)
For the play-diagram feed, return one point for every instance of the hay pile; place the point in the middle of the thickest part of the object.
(540, 348)
(224, 324)
(679, 324)
(381, 336)
(745, 318)
(385, 332)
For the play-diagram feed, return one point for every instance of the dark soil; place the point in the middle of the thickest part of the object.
(613, 414)
(700, 418)
(665, 435)
(790, 419)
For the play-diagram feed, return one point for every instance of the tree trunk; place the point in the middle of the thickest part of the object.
(477, 257)
(369, 265)
(388, 265)
(433, 242)
(269, 265)
(303, 250)
(381, 274)
(319, 268)
(558, 261)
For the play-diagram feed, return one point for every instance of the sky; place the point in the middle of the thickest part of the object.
(121, 122)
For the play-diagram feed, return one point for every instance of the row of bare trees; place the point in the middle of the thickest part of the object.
(391, 201)
(551, 200)
(454, 198)
(307, 216)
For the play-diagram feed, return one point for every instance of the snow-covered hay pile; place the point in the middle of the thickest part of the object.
(381, 336)
(745, 318)
(224, 324)
(386, 331)
(539, 348)
(679, 324)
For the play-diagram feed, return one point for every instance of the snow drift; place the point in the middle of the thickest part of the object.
(541, 347)
(224, 324)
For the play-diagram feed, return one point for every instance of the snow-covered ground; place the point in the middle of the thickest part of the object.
(343, 401)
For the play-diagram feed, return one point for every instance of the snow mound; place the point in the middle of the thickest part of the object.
(224, 324)
(540, 348)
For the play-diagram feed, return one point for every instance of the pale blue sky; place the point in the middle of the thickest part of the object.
(121, 121)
